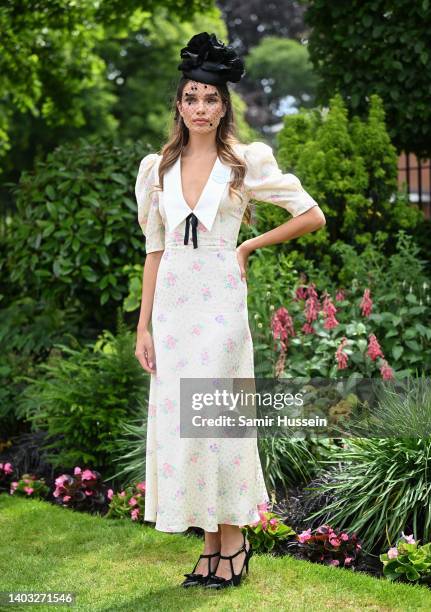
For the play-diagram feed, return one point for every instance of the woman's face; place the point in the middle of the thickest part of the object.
(201, 101)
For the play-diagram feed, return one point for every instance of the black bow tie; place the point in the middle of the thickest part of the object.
(194, 221)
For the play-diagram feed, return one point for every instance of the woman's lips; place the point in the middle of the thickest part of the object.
(200, 121)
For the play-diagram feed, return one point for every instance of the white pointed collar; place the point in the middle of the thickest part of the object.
(177, 209)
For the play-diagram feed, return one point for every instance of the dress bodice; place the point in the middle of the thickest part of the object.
(167, 220)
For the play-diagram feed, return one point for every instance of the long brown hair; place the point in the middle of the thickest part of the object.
(225, 139)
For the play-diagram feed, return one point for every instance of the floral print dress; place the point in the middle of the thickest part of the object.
(200, 329)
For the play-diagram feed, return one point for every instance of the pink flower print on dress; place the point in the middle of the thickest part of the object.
(211, 511)
(214, 448)
(205, 358)
(201, 483)
(170, 342)
(237, 460)
(229, 345)
(206, 293)
(196, 329)
(169, 406)
(221, 256)
(192, 518)
(178, 236)
(179, 494)
(197, 265)
(182, 299)
(152, 408)
(194, 458)
(231, 282)
(243, 488)
(168, 470)
(170, 279)
(181, 364)
(221, 319)
(162, 317)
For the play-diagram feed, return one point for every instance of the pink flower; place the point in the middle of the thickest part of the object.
(408, 538)
(110, 494)
(133, 501)
(88, 492)
(335, 562)
(348, 560)
(77, 471)
(88, 475)
(28, 490)
(123, 494)
(263, 507)
(305, 536)
(273, 521)
(61, 480)
(135, 514)
(335, 541)
(340, 355)
(141, 486)
(307, 328)
(6, 467)
(13, 487)
(366, 303)
(386, 371)
(282, 326)
(358, 546)
(301, 293)
(392, 553)
(344, 537)
(374, 349)
(66, 498)
(339, 296)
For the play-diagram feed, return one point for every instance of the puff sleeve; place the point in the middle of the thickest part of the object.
(149, 217)
(265, 181)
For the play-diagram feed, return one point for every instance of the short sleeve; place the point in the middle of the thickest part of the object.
(265, 181)
(149, 217)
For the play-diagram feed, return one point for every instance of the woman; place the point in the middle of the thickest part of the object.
(191, 201)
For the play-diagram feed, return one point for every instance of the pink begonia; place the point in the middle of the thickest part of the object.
(66, 498)
(88, 475)
(122, 494)
(263, 507)
(348, 560)
(304, 536)
(135, 514)
(13, 486)
(132, 501)
(392, 553)
(335, 562)
(340, 356)
(358, 546)
(344, 537)
(110, 494)
(374, 350)
(88, 492)
(366, 303)
(386, 371)
(28, 490)
(6, 467)
(61, 480)
(340, 295)
(141, 486)
(77, 471)
(335, 541)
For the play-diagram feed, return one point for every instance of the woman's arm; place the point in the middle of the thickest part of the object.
(144, 342)
(308, 221)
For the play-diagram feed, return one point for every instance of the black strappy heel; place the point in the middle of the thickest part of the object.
(193, 579)
(217, 582)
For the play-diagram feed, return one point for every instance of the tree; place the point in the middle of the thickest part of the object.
(363, 47)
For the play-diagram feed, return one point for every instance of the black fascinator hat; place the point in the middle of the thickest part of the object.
(207, 60)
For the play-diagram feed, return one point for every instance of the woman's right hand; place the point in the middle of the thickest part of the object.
(144, 351)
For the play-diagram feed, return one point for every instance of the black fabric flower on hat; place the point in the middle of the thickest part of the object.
(209, 60)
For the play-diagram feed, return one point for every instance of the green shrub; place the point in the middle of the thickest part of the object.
(82, 397)
(350, 169)
(76, 228)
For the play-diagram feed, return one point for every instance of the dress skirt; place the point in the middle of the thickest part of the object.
(200, 330)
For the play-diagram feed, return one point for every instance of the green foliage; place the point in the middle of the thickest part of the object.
(128, 504)
(380, 485)
(284, 65)
(76, 228)
(362, 48)
(30, 485)
(412, 562)
(83, 396)
(268, 531)
(350, 168)
(49, 62)
(288, 462)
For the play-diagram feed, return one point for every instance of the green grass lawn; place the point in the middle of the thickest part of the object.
(118, 565)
